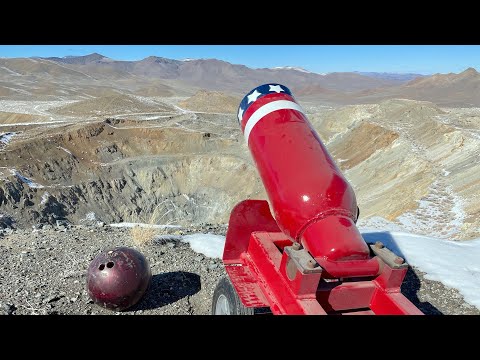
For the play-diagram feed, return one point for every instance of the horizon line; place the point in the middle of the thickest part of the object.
(292, 67)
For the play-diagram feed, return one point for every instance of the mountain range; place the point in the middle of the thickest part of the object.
(77, 77)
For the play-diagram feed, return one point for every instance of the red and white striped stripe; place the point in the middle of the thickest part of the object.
(264, 106)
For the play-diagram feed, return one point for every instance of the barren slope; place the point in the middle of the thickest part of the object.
(212, 102)
(408, 165)
(111, 105)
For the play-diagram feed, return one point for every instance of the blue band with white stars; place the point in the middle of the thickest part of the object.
(257, 93)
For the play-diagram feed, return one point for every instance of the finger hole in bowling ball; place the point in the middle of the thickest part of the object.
(110, 264)
(101, 267)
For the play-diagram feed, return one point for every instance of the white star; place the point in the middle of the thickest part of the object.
(240, 114)
(253, 96)
(277, 88)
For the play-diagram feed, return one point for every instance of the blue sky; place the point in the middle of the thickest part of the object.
(423, 59)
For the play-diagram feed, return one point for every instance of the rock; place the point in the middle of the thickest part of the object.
(53, 298)
(47, 227)
(6, 222)
(9, 309)
(91, 216)
(199, 258)
(100, 224)
(64, 223)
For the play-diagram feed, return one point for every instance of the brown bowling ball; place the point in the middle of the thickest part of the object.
(118, 277)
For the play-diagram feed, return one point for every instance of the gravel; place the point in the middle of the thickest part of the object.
(44, 272)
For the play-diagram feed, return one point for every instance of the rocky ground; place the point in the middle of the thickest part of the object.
(44, 272)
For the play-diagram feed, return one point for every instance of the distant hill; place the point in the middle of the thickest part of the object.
(461, 89)
(468, 77)
(80, 60)
(398, 77)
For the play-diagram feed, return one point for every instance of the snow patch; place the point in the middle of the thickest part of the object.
(11, 71)
(26, 180)
(6, 137)
(45, 197)
(292, 68)
(453, 263)
(90, 216)
(152, 226)
(209, 245)
(66, 150)
(439, 214)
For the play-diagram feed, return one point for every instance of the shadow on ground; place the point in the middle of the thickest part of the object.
(411, 284)
(167, 288)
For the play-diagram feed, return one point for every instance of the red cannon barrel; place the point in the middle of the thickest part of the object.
(311, 200)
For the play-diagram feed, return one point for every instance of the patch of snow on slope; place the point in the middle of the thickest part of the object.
(66, 150)
(292, 68)
(440, 214)
(5, 138)
(455, 264)
(11, 71)
(26, 180)
(90, 216)
(153, 226)
(45, 197)
(209, 245)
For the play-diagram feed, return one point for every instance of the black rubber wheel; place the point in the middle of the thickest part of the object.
(226, 300)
